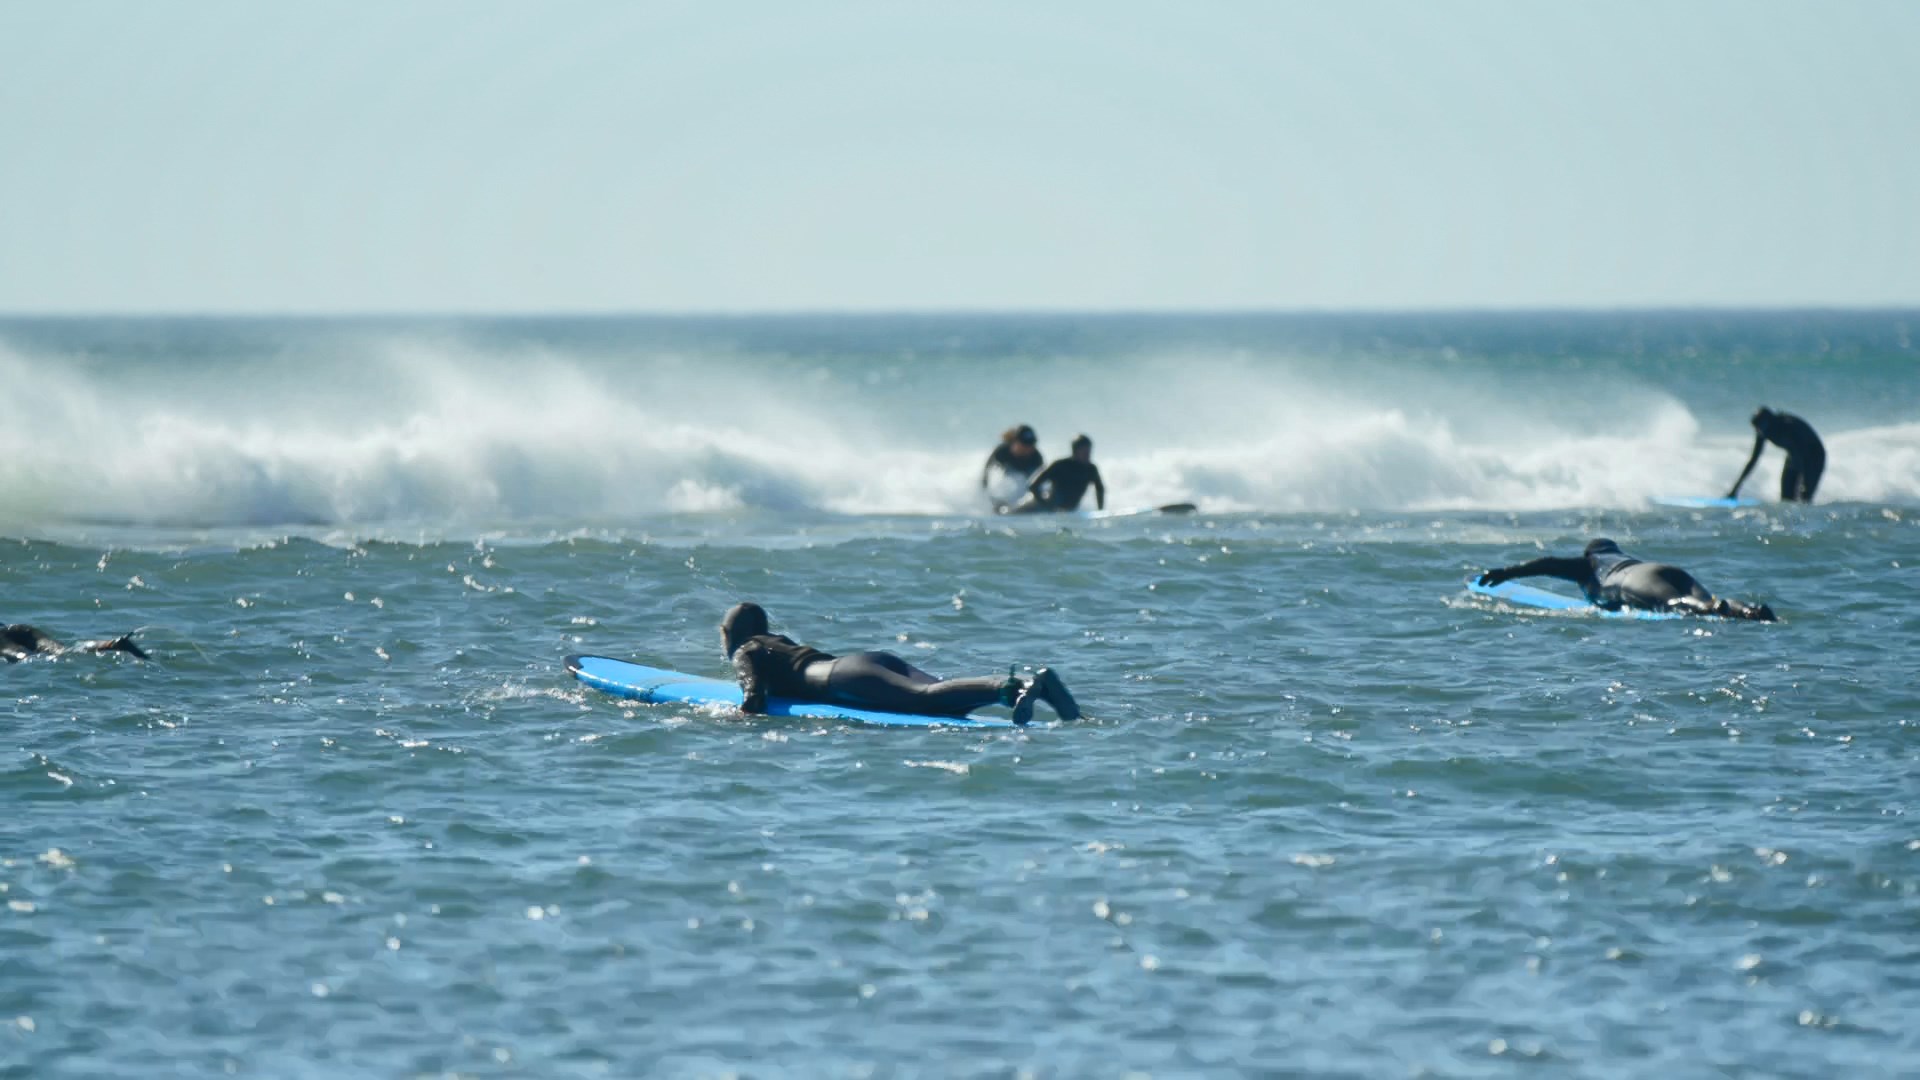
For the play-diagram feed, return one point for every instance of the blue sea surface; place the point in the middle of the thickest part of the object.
(1329, 814)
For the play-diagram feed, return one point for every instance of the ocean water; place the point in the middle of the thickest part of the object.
(1328, 816)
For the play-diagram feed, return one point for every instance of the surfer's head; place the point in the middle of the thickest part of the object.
(1602, 546)
(1022, 433)
(1763, 418)
(742, 621)
(1082, 447)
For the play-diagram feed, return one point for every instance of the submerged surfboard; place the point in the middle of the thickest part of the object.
(1006, 510)
(658, 685)
(1703, 502)
(1529, 596)
(1141, 511)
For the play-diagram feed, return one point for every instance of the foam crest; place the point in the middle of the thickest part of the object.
(399, 427)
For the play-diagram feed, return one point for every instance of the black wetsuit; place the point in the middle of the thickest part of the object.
(1064, 483)
(1003, 459)
(772, 665)
(1806, 455)
(1612, 579)
(19, 641)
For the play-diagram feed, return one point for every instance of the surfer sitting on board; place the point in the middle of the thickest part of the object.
(1806, 454)
(1061, 485)
(774, 665)
(1612, 580)
(1017, 457)
(19, 641)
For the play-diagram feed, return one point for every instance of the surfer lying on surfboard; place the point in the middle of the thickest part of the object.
(19, 641)
(1613, 580)
(774, 665)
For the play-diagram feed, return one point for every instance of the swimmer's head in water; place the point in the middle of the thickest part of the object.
(742, 621)
(1602, 546)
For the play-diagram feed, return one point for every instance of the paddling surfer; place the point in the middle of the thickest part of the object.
(1806, 454)
(774, 665)
(1611, 579)
(18, 641)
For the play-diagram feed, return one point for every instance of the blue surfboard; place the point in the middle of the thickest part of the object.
(1529, 596)
(1703, 502)
(658, 685)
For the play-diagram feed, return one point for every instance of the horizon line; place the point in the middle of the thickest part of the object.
(965, 312)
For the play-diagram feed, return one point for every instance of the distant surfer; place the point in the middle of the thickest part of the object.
(1806, 454)
(1611, 579)
(1061, 485)
(774, 665)
(1016, 459)
(18, 641)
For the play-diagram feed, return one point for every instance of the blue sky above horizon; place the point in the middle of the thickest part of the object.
(228, 156)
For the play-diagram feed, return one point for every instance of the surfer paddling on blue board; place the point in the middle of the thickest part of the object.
(774, 665)
(1806, 454)
(1016, 459)
(1061, 485)
(18, 641)
(1612, 579)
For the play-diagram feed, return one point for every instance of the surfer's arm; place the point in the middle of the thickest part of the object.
(1759, 444)
(986, 471)
(1044, 476)
(1577, 571)
(1099, 490)
(746, 670)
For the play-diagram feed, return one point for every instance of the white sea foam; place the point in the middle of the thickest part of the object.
(409, 428)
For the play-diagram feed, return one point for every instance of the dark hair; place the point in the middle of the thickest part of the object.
(742, 621)
(1080, 441)
(1595, 547)
(1019, 433)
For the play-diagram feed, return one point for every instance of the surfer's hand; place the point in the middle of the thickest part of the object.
(1493, 577)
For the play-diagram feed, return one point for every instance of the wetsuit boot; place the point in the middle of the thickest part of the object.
(1054, 693)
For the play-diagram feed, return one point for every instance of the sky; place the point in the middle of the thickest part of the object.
(231, 156)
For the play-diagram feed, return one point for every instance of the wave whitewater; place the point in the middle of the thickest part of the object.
(403, 426)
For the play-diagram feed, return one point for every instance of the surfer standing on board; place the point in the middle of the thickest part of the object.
(1806, 454)
(1017, 458)
(774, 665)
(1612, 580)
(19, 641)
(1061, 485)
